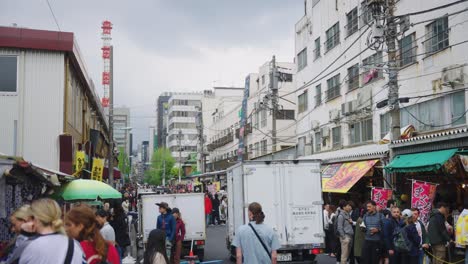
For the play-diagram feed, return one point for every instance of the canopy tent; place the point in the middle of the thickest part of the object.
(419, 162)
(88, 190)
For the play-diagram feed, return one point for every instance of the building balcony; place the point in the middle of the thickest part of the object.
(221, 142)
(248, 130)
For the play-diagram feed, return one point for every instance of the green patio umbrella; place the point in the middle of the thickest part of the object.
(88, 190)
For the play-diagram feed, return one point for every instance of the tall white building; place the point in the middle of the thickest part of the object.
(339, 80)
(122, 128)
(182, 133)
(222, 124)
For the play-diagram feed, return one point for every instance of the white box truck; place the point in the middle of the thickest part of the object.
(191, 205)
(290, 193)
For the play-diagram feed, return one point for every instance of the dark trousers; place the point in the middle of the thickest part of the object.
(215, 217)
(395, 259)
(328, 248)
(407, 259)
(371, 251)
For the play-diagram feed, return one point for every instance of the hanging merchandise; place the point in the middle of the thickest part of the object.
(380, 196)
(422, 196)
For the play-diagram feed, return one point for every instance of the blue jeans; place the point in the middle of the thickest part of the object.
(208, 219)
(466, 255)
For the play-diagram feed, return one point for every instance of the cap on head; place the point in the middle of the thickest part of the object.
(175, 210)
(163, 205)
(407, 213)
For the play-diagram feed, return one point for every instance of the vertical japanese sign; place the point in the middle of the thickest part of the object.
(422, 196)
(79, 161)
(243, 120)
(380, 196)
(98, 168)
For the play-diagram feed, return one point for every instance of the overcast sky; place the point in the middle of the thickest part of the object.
(170, 45)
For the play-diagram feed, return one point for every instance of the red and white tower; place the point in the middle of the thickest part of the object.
(106, 54)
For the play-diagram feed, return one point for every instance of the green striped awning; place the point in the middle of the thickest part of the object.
(425, 161)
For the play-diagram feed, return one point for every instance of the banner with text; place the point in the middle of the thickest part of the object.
(98, 168)
(79, 161)
(380, 196)
(422, 196)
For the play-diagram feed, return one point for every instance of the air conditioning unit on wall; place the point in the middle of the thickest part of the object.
(334, 114)
(453, 75)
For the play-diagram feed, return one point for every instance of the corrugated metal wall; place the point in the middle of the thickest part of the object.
(38, 107)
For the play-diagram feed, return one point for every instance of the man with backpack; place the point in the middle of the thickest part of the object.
(390, 225)
(421, 232)
(438, 235)
(373, 226)
(345, 231)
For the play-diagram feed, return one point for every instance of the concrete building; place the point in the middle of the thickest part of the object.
(182, 133)
(48, 102)
(223, 125)
(337, 100)
(122, 128)
(162, 108)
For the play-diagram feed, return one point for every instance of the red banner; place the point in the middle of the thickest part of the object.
(422, 197)
(105, 77)
(105, 52)
(380, 196)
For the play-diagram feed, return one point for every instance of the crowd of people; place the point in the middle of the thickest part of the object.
(369, 234)
(215, 209)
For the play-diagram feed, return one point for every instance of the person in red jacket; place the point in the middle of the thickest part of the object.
(208, 208)
(81, 224)
(179, 235)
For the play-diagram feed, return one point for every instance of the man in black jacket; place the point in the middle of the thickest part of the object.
(438, 235)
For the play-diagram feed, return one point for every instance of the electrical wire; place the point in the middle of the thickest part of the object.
(432, 9)
(444, 125)
(53, 15)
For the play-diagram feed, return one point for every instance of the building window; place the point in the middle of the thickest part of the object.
(333, 89)
(407, 50)
(437, 35)
(353, 77)
(384, 125)
(257, 149)
(317, 49)
(366, 14)
(336, 134)
(318, 95)
(285, 115)
(301, 142)
(263, 144)
(302, 99)
(263, 79)
(257, 117)
(360, 131)
(352, 18)
(302, 59)
(333, 36)
(263, 121)
(318, 141)
(371, 65)
(8, 74)
(285, 77)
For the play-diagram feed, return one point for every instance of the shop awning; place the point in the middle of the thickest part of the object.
(417, 162)
(347, 175)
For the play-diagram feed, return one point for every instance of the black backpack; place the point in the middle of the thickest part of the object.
(335, 224)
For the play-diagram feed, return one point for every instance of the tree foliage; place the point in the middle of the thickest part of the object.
(124, 162)
(155, 172)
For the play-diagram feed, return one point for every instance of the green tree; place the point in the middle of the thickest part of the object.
(156, 170)
(124, 162)
(175, 172)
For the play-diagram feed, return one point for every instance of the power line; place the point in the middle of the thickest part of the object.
(53, 15)
(444, 125)
(431, 9)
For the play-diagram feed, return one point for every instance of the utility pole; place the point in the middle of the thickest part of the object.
(274, 101)
(111, 119)
(179, 138)
(201, 139)
(164, 173)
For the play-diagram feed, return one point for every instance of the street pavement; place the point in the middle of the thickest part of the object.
(215, 248)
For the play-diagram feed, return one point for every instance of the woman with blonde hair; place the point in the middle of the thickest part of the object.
(51, 245)
(81, 224)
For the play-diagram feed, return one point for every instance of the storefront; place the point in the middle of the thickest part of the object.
(439, 159)
(351, 173)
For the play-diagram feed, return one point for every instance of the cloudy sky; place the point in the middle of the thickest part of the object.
(168, 45)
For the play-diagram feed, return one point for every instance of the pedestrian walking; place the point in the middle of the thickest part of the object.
(215, 210)
(412, 255)
(223, 210)
(208, 208)
(81, 224)
(155, 252)
(438, 235)
(119, 222)
(345, 231)
(107, 231)
(326, 227)
(334, 241)
(126, 206)
(390, 225)
(256, 242)
(167, 223)
(52, 245)
(359, 235)
(179, 235)
(422, 232)
(373, 225)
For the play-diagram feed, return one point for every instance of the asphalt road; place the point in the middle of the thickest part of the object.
(215, 248)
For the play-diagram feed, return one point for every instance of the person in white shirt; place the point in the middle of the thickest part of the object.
(125, 205)
(327, 220)
(107, 231)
